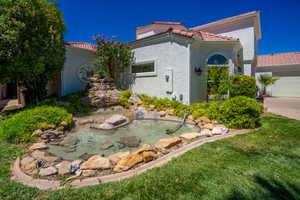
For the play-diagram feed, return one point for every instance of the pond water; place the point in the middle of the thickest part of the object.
(83, 141)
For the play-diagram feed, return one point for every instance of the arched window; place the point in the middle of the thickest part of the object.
(217, 59)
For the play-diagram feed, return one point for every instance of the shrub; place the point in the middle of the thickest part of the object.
(240, 112)
(71, 102)
(212, 112)
(126, 94)
(199, 109)
(242, 85)
(19, 127)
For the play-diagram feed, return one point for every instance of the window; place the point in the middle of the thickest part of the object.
(217, 60)
(145, 68)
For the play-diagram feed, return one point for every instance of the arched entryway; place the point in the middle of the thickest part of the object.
(217, 77)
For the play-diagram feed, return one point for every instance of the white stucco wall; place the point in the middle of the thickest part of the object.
(245, 31)
(167, 54)
(200, 53)
(75, 58)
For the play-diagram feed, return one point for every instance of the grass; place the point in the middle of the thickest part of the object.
(264, 164)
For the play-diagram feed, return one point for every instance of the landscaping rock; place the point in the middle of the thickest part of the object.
(219, 130)
(151, 107)
(37, 133)
(204, 119)
(208, 126)
(162, 113)
(116, 120)
(63, 167)
(146, 147)
(102, 93)
(103, 126)
(27, 160)
(167, 143)
(135, 100)
(115, 158)
(40, 155)
(38, 146)
(133, 159)
(64, 124)
(48, 171)
(190, 136)
(206, 132)
(85, 121)
(88, 173)
(130, 141)
(96, 162)
(28, 163)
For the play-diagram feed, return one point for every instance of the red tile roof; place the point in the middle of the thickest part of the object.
(204, 35)
(226, 20)
(82, 45)
(281, 59)
(168, 23)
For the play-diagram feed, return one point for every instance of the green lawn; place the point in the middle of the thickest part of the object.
(264, 164)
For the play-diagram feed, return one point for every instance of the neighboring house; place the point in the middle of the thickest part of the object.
(171, 60)
(285, 66)
(78, 67)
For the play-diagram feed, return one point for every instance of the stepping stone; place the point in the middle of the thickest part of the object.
(130, 141)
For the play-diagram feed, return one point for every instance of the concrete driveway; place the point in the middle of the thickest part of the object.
(285, 106)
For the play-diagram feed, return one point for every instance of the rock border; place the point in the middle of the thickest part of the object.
(19, 176)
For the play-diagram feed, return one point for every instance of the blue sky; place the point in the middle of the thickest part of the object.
(280, 19)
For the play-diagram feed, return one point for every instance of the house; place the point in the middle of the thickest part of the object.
(74, 76)
(171, 60)
(285, 66)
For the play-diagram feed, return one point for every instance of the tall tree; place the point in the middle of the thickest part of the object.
(31, 44)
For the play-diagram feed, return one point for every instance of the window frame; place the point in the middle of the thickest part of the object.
(145, 74)
(221, 65)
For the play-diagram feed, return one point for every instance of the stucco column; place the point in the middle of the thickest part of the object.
(231, 66)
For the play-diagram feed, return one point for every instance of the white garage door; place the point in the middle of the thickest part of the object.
(288, 84)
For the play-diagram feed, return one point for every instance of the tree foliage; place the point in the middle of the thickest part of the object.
(31, 44)
(113, 57)
(266, 80)
(217, 80)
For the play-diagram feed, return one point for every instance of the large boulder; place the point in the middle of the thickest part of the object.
(167, 143)
(48, 171)
(115, 158)
(219, 130)
(40, 155)
(38, 146)
(96, 162)
(103, 126)
(64, 167)
(145, 154)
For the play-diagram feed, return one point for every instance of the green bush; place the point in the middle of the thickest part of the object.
(71, 102)
(19, 127)
(126, 94)
(240, 112)
(212, 112)
(199, 109)
(242, 85)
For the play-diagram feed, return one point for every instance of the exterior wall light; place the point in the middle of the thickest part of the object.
(198, 71)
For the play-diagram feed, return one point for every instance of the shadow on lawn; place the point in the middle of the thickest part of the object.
(269, 189)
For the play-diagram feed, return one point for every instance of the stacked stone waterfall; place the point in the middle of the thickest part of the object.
(102, 92)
